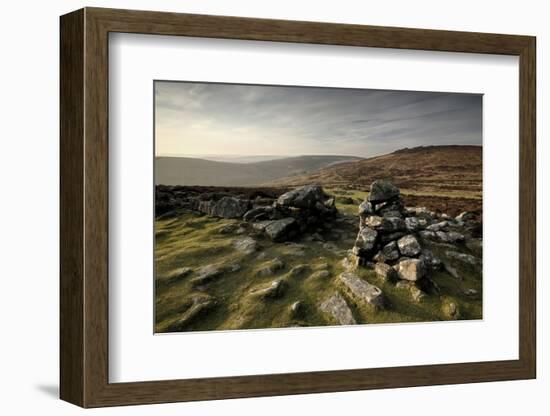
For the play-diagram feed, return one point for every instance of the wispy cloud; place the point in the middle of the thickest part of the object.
(202, 118)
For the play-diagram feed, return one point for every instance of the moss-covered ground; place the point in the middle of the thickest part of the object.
(309, 272)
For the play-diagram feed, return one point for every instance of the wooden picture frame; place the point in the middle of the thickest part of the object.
(84, 207)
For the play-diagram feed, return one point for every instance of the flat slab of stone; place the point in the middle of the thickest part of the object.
(337, 310)
(245, 245)
(360, 291)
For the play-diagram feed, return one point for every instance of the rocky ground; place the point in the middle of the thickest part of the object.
(270, 257)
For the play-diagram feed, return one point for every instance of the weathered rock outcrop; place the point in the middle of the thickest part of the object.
(211, 272)
(337, 310)
(392, 239)
(360, 291)
(245, 245)
(281, 230)
(281, 218)
(273, 290)
(197, 305)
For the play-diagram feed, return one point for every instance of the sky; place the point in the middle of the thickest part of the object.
(197, 119)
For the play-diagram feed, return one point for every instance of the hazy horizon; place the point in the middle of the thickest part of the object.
(224, 121)
(214, 156)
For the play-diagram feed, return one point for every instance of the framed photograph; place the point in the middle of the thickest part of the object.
(255, 207)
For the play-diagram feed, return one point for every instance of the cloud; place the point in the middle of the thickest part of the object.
(207, 118)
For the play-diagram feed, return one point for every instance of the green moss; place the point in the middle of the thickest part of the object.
(192, 240)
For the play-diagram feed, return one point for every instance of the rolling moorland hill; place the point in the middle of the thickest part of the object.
(194, 171)
(448, 178)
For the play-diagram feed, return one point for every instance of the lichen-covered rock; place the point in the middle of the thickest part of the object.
(410, 269)
(449, 237)
(360, 291)
(280, 230)
(412, 224)
(246, 245)
(385, 224)
(384, 271)
(427, 235)
(392, 208)
(391, 251)
(365, 242)
(430, 261)
(349, 263)
(439, 226)
(258, 214)
(381, 191)
(409, 246)
(227, 207)
(337, 310)
(305, 197)
(261, 225)
(374, 221)
(366, 208)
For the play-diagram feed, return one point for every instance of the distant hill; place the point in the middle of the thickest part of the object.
(431, 170)
(194, 171)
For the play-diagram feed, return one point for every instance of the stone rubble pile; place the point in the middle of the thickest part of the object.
(390, 235)
(281, 219)
(293, 213)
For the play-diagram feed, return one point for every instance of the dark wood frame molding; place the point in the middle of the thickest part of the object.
(84, 209)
